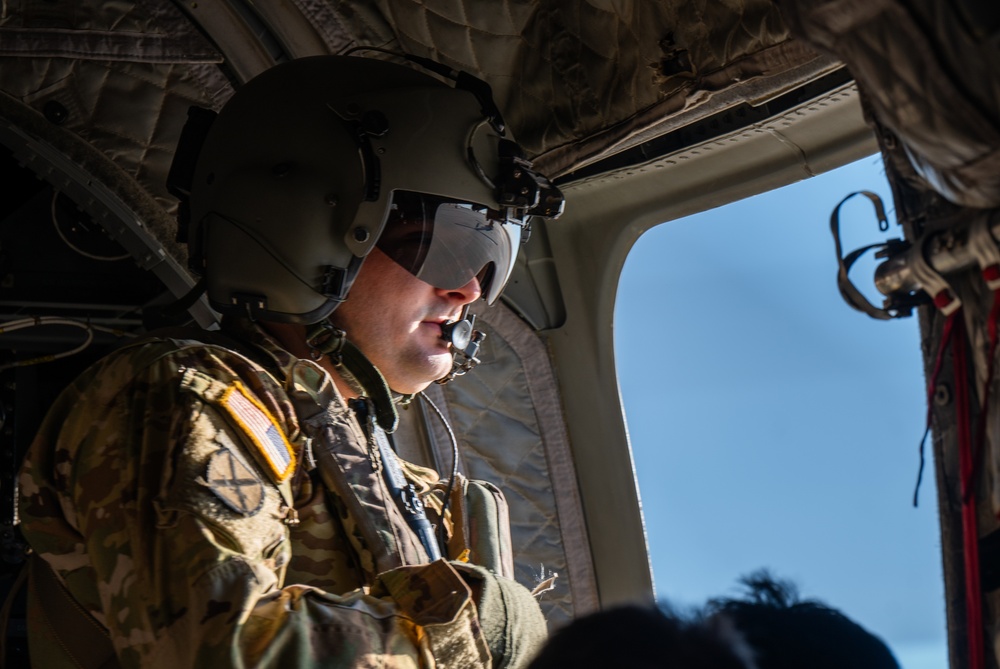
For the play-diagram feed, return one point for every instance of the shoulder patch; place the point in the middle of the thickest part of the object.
(261, 427)
(234, 483)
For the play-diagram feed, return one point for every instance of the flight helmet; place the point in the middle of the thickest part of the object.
(316, 161)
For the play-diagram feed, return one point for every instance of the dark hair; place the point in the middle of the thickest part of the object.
(786, 632)
(643, 637)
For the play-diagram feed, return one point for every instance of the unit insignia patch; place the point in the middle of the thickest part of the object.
(261, 428)
(234, 483)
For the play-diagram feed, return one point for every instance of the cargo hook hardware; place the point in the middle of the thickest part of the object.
(897, 306)
(967, 243)
(914, 273)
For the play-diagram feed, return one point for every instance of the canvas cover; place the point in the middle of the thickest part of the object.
(929, 71)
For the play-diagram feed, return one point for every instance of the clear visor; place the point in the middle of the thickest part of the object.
(447, 243)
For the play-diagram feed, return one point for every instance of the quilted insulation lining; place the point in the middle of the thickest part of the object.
(514, 393)
(578, 78)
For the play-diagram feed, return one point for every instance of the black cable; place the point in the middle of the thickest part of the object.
(454, 465)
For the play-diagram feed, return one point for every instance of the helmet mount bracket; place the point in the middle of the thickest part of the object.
(362, 125)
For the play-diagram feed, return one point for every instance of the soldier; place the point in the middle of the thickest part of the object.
(232, 499)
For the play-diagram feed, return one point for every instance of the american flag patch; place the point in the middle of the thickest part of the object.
(260, 426)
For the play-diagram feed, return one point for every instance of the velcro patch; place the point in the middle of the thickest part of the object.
(262, 429)
(234, 483)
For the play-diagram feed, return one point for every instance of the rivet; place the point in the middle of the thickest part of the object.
(361, 235)
(55, 112)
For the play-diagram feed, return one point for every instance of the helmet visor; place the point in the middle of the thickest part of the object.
(447, 243)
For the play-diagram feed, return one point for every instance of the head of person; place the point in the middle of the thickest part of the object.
(644, 637)
(785, 632)
(364, 193)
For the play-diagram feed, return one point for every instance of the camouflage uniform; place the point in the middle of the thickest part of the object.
(166, 518)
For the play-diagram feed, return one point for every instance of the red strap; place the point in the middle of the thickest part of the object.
(967, 467)
(953, 334)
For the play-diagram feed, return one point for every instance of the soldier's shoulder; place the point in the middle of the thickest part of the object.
(177, 350)
(154, 359)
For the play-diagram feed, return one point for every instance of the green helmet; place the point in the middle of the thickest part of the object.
(303, 167)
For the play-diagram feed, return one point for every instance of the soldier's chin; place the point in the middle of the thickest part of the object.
(437, 367)
(440, 371)
(443, 366)
(411, 388)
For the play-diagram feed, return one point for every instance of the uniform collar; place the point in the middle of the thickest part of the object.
(267, 351)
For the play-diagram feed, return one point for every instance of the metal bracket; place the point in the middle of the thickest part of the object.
(983, 246)
(930, 281)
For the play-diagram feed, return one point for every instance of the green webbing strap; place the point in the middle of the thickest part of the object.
(325, 339)
(374, 384)
(67, 623)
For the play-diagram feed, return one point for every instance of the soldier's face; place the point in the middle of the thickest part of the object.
(395, 319)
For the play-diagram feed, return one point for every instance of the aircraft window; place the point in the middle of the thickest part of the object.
(774, 426)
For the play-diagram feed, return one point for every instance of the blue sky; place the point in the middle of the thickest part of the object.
(771, 424)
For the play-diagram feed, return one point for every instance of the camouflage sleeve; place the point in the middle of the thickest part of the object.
(145, 502)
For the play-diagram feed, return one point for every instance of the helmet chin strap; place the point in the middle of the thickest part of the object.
(325, 339)
(465, 341)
